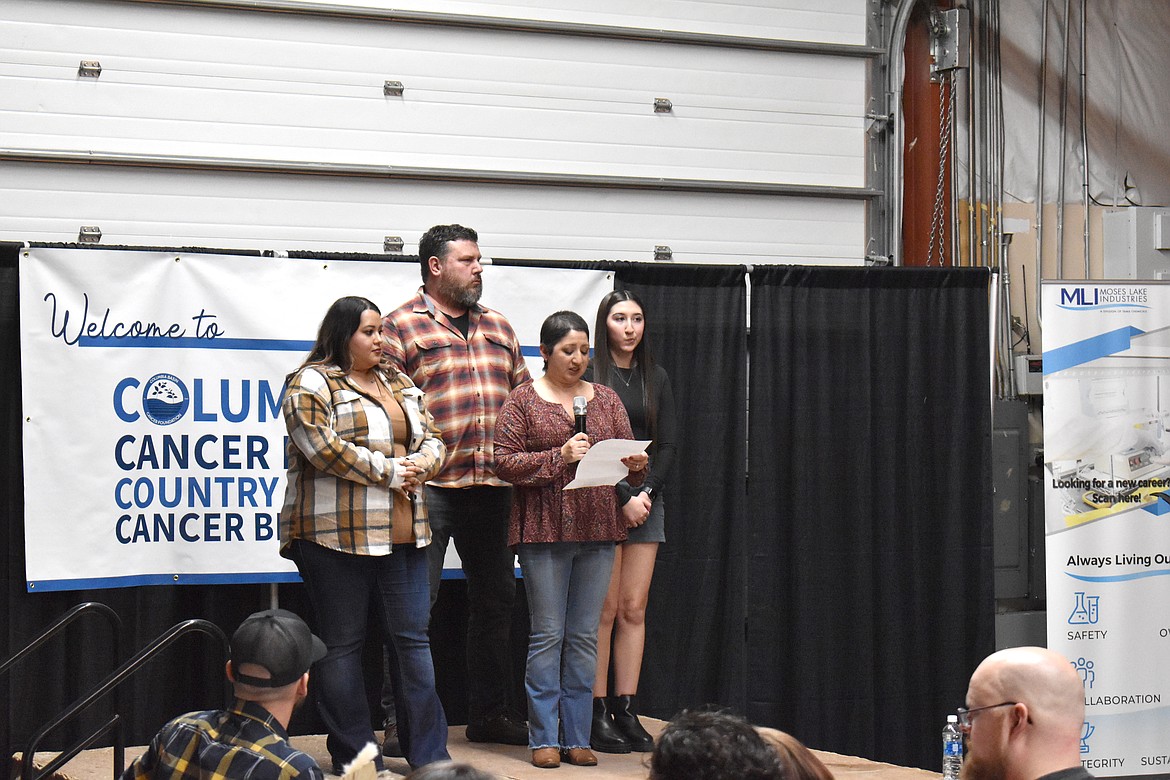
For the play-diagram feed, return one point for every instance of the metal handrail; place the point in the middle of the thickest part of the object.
(73, 614)
(116, 678)
(114, 724)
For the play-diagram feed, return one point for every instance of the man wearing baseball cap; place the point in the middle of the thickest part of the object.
(271, 653)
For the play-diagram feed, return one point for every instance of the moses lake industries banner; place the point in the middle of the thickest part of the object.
(1107, 512)
(154, 447)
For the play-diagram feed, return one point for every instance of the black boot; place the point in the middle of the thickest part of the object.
(604, 736)
(625, 717)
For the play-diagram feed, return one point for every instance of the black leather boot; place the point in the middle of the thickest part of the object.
(625, 717)
(604, 736)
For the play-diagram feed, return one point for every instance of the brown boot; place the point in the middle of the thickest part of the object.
(579, 756)
(546, 758)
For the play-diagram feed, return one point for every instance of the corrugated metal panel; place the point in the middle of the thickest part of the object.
(228, 95)
(218, 83)
(838, 21)
(141, 206)
(835, 21)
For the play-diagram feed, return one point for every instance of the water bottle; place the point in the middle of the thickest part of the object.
(952, 749)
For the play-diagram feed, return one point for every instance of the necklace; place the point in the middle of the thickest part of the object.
(373, 388)
(627, 378)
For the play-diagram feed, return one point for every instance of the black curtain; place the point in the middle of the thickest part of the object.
(871, 589)
(843, 594)
(695, 324)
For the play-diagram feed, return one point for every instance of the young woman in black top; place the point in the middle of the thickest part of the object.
(622, 361)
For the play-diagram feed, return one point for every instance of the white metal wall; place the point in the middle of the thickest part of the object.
(196, 107)
(140, 207)
(823, 21)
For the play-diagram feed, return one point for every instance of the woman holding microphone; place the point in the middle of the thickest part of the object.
(565, 539)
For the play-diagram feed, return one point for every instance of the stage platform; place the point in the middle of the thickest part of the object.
(506, 761)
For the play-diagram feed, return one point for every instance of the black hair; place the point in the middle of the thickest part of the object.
(434, 244)
(449, 770)
(558, 325)
(603, 363)
(341, 321)
(713, 745)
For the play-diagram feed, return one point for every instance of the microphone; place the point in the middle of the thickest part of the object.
(579, 414)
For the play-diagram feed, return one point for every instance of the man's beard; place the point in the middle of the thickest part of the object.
(464, 297)
(984, 768)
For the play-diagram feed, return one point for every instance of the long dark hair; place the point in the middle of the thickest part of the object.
(603, 368)
(337, 328)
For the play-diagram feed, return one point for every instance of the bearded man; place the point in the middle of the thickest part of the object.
(467, 359)
(1023, 720)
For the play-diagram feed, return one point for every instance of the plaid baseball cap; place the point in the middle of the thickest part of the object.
(277, 640)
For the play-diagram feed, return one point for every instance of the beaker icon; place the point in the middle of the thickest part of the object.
(1086, 610)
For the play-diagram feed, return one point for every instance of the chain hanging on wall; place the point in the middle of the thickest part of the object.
(946, 115)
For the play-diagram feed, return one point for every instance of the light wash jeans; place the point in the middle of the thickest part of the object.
(566, 584)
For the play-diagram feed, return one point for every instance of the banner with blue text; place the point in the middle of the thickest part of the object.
(154, 447)
(1107, 512)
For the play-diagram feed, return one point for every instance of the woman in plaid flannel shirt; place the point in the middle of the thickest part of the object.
(360, 445)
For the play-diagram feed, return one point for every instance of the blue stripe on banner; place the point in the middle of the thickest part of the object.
(190, 342)
(1103, 307)
(1089, 350)
(457, 574)
(1140, 575)
(237, 578)
(535, 351)
(188, 579)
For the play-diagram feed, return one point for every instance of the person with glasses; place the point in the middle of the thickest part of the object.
(1023, 718)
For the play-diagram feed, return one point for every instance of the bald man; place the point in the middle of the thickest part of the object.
(1023, 719)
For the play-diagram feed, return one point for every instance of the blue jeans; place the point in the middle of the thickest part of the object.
(476, 519)
(340, 588)
(566, 584)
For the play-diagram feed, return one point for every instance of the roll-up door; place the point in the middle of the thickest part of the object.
(322, 126)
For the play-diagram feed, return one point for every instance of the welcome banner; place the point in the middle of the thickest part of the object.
(154, 447)
(1107, 512)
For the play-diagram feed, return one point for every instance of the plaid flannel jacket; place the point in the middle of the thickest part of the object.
(341, 469)
(466, 380)
(243, 743)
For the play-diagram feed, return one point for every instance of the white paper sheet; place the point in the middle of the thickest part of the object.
(602, 464)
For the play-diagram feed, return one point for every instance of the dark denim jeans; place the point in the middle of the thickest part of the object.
(340, 587)
(476, 519)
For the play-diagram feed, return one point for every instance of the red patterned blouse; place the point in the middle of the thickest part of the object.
(529, 435)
